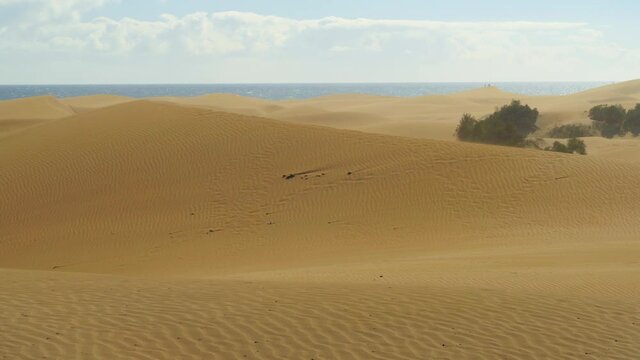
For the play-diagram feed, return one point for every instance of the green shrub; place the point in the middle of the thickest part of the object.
(632, 122)
(577, 146)
(574, 145)
(466, 128)
(570, 131)
(521, 117)
(609, 119)
(558, 147)
(508, 125)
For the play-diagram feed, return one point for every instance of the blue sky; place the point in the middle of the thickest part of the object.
(201, 41)
(597, 11)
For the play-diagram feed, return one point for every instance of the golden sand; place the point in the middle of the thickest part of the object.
(209, 227)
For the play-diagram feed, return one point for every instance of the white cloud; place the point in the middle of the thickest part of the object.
(233, 32)
(430, 49)
(48, 10)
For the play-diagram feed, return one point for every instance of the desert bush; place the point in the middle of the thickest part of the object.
(466, 128)
(522, 117)
(536, 143)
(508, 125)
(632, 122)
(570, 131)
(574, 145)
(558, 147)
(608, 119)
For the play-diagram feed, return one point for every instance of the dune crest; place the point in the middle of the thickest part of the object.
(39, 107)
(90, 102)
(19, 114)
(429, 117)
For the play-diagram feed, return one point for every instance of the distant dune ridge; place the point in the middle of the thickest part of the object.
(86, 103)
(40, 107)
(429, 117)
(245, 228)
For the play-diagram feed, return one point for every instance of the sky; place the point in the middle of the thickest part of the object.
(287, 41)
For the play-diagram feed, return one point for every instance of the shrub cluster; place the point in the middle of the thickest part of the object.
(612, 120)
(632, 122)
(570, 131)
(574, 145)
(509, 125)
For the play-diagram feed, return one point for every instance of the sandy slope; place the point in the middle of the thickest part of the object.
(40, 107)
(225, 102)
(415, 116)
(431, 117)
(86, 103)
(623, 150)
(144, 229)
(22, 113)
(379, 247)
(80, 316)
(152, 180)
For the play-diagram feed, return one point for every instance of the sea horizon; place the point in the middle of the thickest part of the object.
(284, 91)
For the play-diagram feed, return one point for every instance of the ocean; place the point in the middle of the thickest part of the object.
(291, 91)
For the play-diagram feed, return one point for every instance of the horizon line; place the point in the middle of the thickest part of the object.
(328, 83)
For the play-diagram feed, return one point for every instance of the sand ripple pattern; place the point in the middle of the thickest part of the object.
(155, 187)
(73, 316)
(148, 230)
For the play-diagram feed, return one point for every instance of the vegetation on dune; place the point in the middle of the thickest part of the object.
(608, 119)
(576, 145)
(573, 146)
(632, 121)
(510, 125)
(571, 131)
(467, 128)
(615, 120)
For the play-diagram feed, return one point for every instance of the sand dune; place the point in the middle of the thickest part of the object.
(40, 107)
(334, 119)
(226, 102)
(625, 93)
(92, 316)
(619, 149)
(86, 103)
(154, 179)
(23, 113)
(150, 229)
(431, 117)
